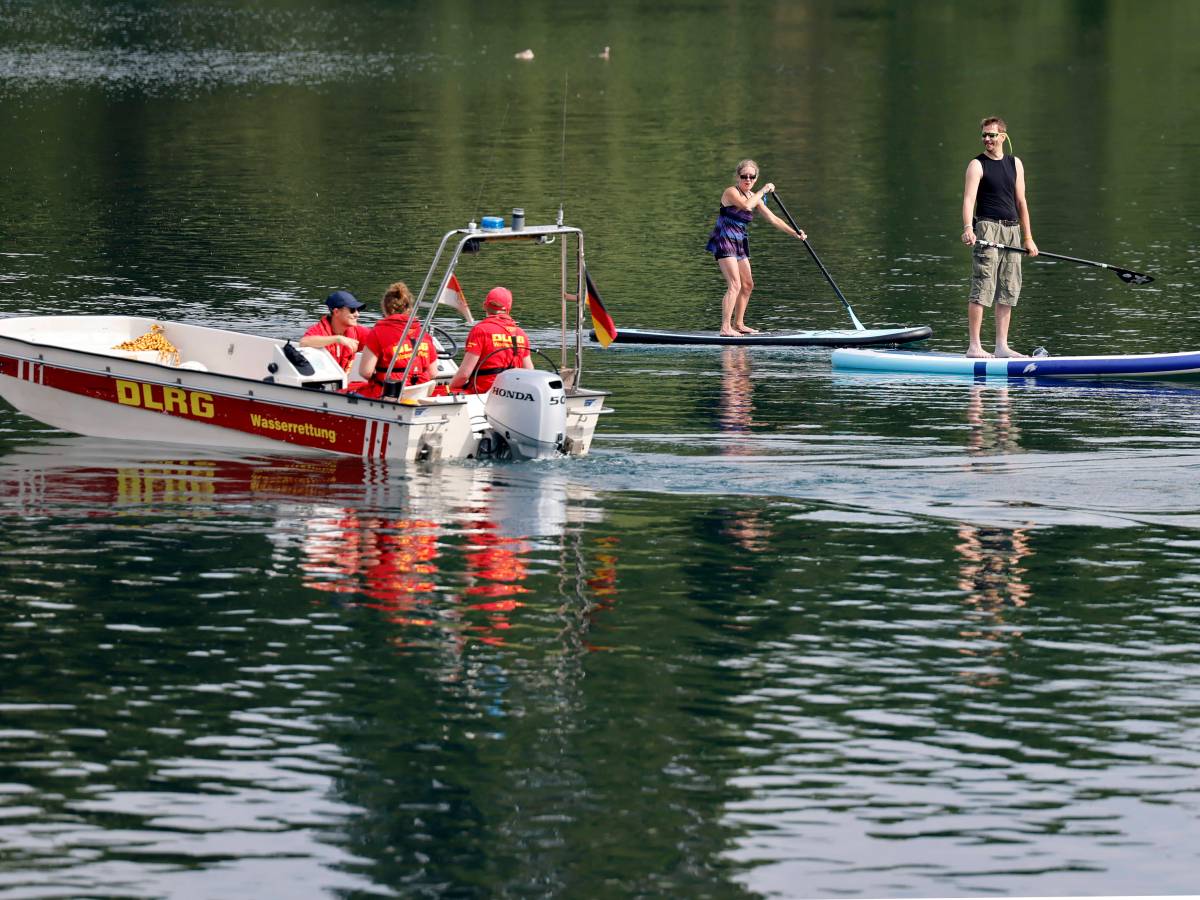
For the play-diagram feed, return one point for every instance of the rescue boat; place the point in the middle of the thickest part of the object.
(223, 388)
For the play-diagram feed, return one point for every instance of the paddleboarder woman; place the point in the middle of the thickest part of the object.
(730, 244)
(994, 209)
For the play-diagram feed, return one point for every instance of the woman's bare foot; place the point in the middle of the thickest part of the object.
(1009, 353)
(977, 353)
(746, 329)
(729, 332)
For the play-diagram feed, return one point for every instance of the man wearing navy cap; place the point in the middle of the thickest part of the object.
(339, 331)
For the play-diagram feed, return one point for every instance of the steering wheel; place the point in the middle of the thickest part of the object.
(444, 338)
(479, 365)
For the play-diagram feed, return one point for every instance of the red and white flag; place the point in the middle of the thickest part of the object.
(453, 296)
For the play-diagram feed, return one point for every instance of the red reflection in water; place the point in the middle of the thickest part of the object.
(495, 562)
(603, 580)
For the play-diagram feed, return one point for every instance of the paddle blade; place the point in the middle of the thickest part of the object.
(1133, 277)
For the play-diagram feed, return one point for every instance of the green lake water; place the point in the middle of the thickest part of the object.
(786, 632)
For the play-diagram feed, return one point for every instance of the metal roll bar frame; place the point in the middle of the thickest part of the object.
(473, 239)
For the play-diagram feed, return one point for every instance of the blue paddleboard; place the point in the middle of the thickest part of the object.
(1142, 365)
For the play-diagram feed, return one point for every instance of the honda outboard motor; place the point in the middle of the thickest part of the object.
(528, 408)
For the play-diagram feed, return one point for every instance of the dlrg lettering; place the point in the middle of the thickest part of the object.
(162, 398)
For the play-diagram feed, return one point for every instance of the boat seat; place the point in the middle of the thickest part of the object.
(151, 356)
(418, 391)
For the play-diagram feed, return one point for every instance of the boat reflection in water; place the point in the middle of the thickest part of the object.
(481, 526)
(446, 552)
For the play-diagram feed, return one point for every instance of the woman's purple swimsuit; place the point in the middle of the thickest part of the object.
(729, 236)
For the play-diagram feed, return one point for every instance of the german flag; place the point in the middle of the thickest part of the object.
(606, 330)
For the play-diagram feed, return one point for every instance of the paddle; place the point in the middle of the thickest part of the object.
(1127, 276)
(787, 215)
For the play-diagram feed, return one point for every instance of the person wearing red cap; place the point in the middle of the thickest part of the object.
(497, 342)
(338, 332)
(393, 342)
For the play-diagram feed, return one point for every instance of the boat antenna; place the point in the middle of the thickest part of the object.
(491, 155)
(562, 165)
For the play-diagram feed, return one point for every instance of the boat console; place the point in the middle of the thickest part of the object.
(307, 367)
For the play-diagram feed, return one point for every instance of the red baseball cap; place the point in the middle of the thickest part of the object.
(498, 298)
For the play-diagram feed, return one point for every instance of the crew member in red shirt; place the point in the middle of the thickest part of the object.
(394, 337)
(339, 331)
(497, 332)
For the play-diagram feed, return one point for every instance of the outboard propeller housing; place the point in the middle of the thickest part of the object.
(528, 408)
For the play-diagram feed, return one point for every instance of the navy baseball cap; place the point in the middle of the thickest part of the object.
(338, 299)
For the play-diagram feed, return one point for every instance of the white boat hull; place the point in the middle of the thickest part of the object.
(63, 371)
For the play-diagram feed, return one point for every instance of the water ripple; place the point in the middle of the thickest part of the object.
(157, 71)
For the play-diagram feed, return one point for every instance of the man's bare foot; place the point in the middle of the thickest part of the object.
(977, 353)
(1009, 353)
(746, 329)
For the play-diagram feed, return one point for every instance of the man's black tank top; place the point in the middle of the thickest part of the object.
(997, 197)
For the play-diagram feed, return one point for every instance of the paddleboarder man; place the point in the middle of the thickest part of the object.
(994, 209)
(730, 244)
